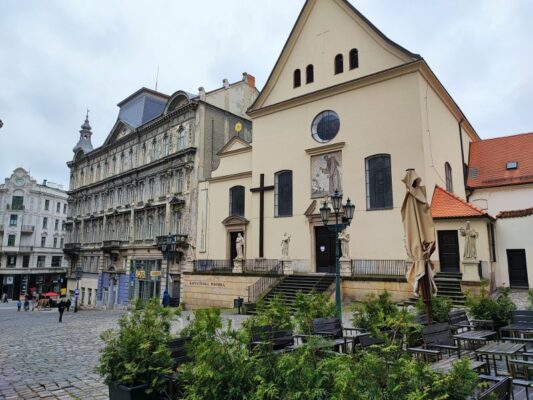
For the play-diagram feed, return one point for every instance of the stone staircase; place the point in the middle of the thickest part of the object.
(293, 284)
(449, 285)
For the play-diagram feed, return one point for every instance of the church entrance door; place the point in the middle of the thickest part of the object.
(233, 248)
(324, 249)
(449, 251)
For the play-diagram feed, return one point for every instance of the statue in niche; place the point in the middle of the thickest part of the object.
(191, 252)
(239, 246)
(344, 238)
(285, 240)
(470, 236)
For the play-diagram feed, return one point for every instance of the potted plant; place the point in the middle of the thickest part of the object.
(136, 357)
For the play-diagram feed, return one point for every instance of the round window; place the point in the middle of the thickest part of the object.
(325, 126)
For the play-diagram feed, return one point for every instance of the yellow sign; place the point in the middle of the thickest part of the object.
(140, 274)
(238, 127)
(155, 273)
(63, 291)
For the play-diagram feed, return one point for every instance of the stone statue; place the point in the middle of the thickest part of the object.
(239, 246)
(191, 253)
(344, 238)
(470, 242)
(285, 240)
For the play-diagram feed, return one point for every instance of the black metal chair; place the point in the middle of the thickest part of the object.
(332, 328)
(502, 389)
(437, 338)
(459, 322)
(273, 340)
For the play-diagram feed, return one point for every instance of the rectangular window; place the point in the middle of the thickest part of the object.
(13, 220)
(55, 242)
(179, 185)
(25, 261)
(378, 182)
(58, 207)
(283, 194)
(56, 261)
(11, 261)
(40, 261)
(62, 242)
(64, 208)
(46, 205)
(11, 240)
(43, 241)
(17, 203)
(45, 222)
(56, 225)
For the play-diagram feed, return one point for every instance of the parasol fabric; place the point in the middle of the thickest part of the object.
(49, 294)
(419, 233)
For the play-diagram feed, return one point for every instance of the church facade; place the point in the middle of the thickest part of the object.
(344, 108)
(141, 185)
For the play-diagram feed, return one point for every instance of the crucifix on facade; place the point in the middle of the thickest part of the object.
(261, 189)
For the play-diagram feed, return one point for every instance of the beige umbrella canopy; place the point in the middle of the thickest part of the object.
(419, 237)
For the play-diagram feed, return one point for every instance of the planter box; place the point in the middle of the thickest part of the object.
(121, 392)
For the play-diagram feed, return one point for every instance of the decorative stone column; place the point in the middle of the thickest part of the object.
(470, 270)
(287, 266)
(237, 265)
(346, 266)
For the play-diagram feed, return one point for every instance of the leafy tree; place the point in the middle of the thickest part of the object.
(485, 307)
(276, 314)
(310, 306)
(440, 308)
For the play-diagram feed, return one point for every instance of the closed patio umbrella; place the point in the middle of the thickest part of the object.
(419, 239)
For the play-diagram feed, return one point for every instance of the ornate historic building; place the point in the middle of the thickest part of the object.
(32, 233)
(142, 184)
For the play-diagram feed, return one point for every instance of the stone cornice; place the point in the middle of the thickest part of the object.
(235, 152)
(247, 174)
(327, 148)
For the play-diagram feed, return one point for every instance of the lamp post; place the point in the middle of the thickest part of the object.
(78, 272)
(347, 216)
(168, 246)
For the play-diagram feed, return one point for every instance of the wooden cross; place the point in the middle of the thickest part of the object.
(261, 189)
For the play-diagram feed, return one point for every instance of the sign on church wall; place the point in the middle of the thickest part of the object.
(326, 174)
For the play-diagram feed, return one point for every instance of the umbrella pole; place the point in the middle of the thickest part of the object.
(426, 294)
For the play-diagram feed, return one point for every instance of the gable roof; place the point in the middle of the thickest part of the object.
(293, 36)
(487, 166)
(235, 144)
(445, 205)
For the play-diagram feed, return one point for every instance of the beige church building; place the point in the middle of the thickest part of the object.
(345, 108)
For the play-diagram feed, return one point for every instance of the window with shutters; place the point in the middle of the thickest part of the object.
(236, 201)
(378, 182)
(449, 178)
(283, 194)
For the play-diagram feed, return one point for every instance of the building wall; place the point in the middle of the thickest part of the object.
(504, 198)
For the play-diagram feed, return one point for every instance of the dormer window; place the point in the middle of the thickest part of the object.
(339, 64)
(309, 74)
(297, 78)
(512, 165)
(354, 59)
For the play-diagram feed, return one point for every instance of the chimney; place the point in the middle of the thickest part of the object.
(44, 182)
(249, 79)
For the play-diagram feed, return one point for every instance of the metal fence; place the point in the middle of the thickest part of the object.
(379, 267)
(258, 288)
(213, 266)
(263, 266)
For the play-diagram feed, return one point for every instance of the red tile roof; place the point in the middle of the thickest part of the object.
(489, 158)
(447, 205)
(515, 213)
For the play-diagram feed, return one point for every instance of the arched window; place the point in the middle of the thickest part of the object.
(236, 201)
(98, 172)
(378, 182)
(143, 154)
(132, 164)
(297, 79)
(114, 165)
(165, 146)
(121, 167)
(354, 59)
(283, 194)
(309, 74)
(449, 178)
(339, 64)
(154, 149)
(181, 138)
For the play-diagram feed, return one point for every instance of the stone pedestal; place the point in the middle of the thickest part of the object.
(287, 266)
(345, 267)
(470, 271)
(237, 265)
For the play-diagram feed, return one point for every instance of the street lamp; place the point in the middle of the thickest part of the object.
(78, 272)
(168, 246)
(347, 216)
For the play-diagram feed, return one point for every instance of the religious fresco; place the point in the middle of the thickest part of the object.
(326, 174)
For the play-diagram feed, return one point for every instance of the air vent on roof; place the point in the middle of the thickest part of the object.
(512, 165)
(473, 172)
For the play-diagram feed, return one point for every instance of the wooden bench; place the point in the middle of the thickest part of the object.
(332, 328)
(522, 372)
(521, 323)
(437, 338)
(459, 321)
(275, 340)
(501, 389)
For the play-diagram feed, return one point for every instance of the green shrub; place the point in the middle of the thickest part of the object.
(530, 299)
(310, 306)
(137, 353)
(276, 313)
(484, 307)
(440, 308)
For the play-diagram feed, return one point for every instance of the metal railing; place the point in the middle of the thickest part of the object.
(379, 267)
(262, 285)
(213, 266)
(263, 266)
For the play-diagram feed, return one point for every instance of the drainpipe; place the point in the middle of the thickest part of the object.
(465, 170)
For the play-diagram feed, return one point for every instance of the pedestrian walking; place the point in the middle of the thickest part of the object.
(19, 305)
(68, 304)
(61, 309)
(4, 298)
(26, 305)
(166, 299)
(32, 301)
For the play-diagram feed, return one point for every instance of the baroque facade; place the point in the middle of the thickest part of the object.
(32, 234)
(142, 184)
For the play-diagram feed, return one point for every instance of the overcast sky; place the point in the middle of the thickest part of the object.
(58, 57)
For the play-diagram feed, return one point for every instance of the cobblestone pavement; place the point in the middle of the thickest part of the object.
(43, 359)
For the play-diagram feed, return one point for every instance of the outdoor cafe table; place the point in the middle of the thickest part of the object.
(503, 349)
(474, 336)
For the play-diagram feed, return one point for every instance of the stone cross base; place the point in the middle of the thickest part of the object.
(287, 266)
(237, 266)
(470, 271)
(345, 267)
